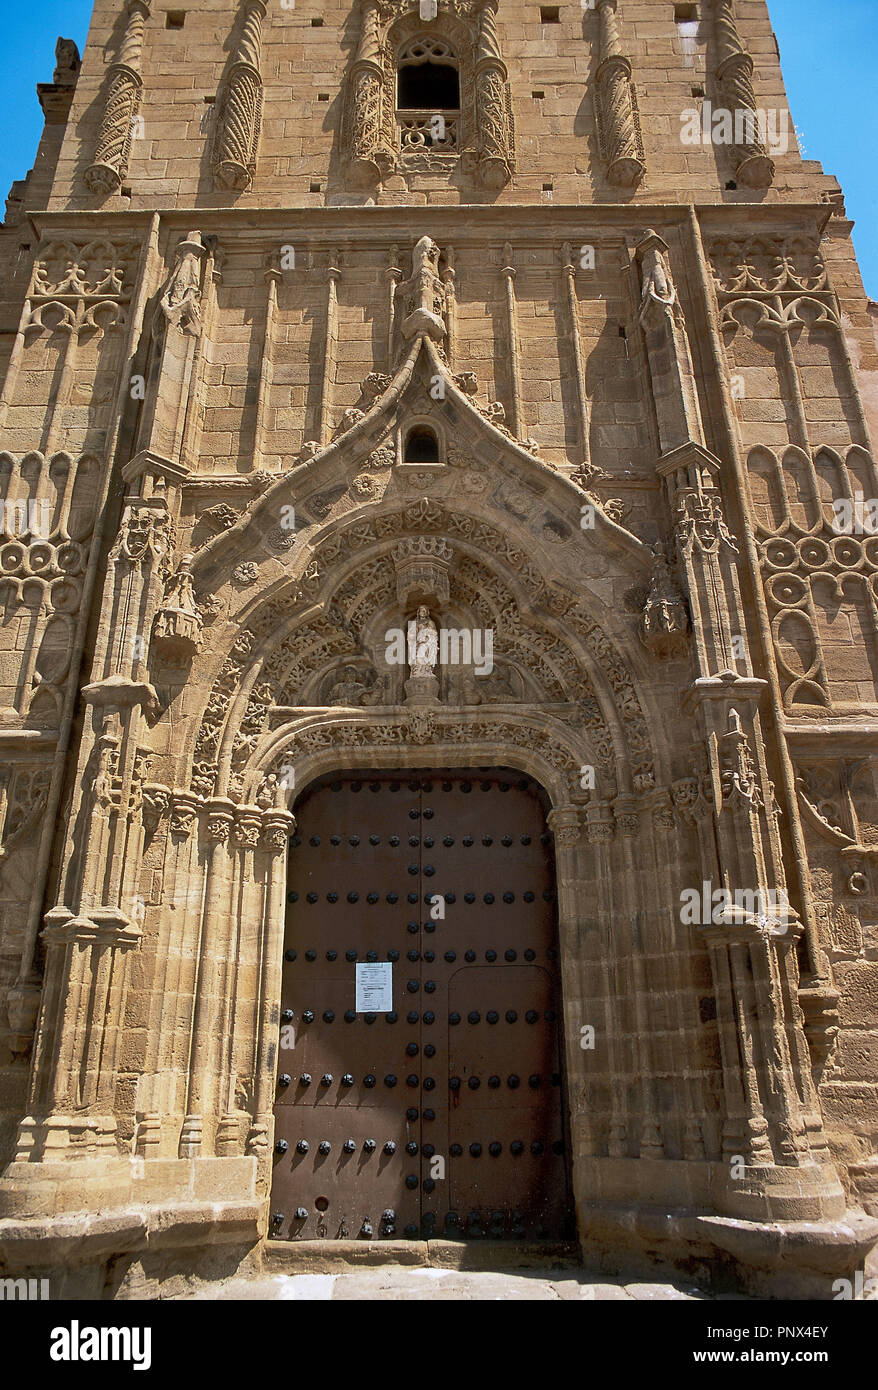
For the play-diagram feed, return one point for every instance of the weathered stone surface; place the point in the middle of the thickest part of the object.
(438, 1285)
(634, 365)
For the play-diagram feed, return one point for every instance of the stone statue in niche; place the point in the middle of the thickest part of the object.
(664, 623)
(425, 292)
(177, 628)
(181, 298)
(422, 687)
(658, 291)
(352, 690)
(425, 651)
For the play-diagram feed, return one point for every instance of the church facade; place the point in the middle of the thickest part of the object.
(439, 654)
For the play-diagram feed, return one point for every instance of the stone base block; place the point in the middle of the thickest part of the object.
(775, 1192)
(794, 1260)
(85, 1225)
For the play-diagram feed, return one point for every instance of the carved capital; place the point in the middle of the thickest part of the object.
(277, 827)
(184, 808)
(600, 825)
(627, 815)
(248, 826)
(566, 826)
(220, 814)
(156, 804)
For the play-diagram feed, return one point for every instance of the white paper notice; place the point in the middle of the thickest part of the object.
(375, 988)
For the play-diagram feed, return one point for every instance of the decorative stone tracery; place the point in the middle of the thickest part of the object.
(806, 502)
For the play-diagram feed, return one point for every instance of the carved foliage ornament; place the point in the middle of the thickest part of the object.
(768, 266)
(424, 726)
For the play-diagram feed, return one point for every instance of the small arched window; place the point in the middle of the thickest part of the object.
(421, 445)
(428, 95)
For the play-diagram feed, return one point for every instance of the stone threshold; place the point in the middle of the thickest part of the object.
(331, 1256)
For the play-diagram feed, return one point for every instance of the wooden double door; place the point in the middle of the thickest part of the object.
(420, 1067)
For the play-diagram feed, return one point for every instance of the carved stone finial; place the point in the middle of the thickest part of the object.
(239, 109)
(110, 164)
(616, 105)
(735, 74)
(737, 770)
(67, 63)
(494, 115)
(657, 285)
(371, 157)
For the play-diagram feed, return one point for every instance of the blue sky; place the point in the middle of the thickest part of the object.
(827, 49)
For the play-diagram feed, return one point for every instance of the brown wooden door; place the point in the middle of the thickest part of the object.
(444, 1116)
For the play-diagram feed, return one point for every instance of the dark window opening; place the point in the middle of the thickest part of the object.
(731, 185)
(549, 14)
(685, 14)
(317, 23)
(538, 96)
(421, 446)
(428, 87)
(323, 96)
(314, 188)
(698, 91)
(175, 19)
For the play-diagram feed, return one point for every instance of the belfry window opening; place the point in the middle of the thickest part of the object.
(428, 95)
(421, 445)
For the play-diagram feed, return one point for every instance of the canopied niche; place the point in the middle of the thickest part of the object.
(427, 95)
